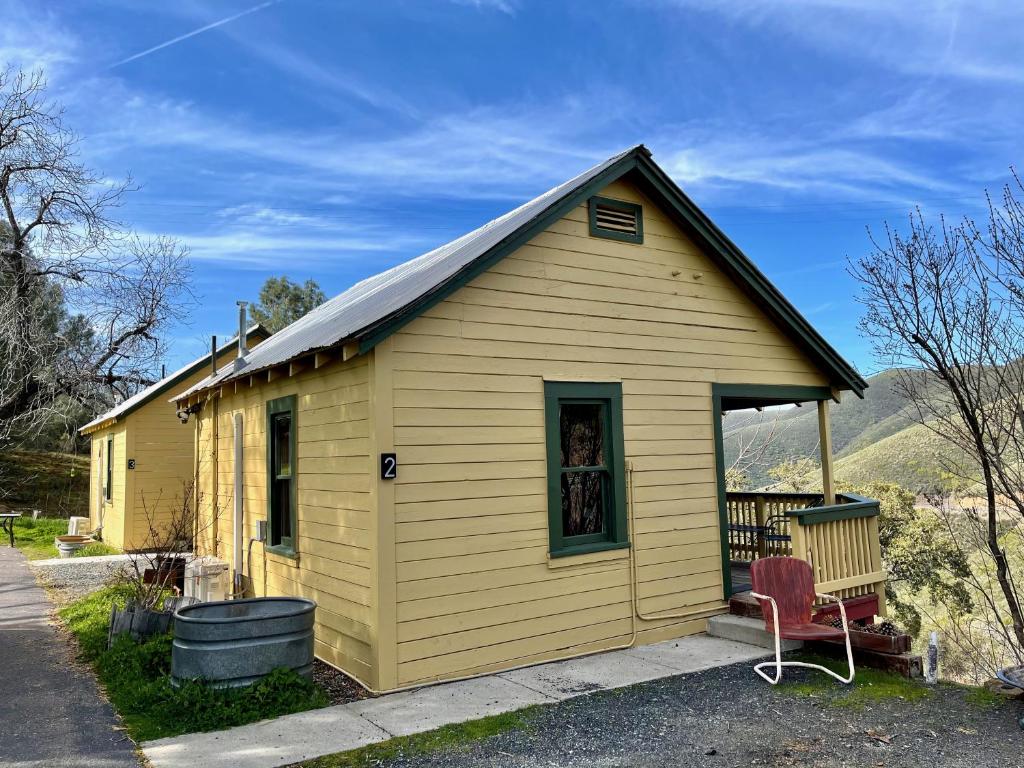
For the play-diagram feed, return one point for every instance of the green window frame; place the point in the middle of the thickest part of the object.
(282, 530)
(108, 492)
(616, 205)
(614, 533)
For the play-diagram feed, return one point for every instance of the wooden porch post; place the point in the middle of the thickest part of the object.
(825, 438)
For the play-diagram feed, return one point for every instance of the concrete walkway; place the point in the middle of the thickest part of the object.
(51, 712)
(306, 735)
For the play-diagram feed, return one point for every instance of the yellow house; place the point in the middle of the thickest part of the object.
(142, 458)
(507, 450)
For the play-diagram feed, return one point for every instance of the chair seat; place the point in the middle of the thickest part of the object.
(810, 632)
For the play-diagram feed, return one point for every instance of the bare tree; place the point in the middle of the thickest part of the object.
(82, 300)
(947, 300)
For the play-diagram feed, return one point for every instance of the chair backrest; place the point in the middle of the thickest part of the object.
(788, 580)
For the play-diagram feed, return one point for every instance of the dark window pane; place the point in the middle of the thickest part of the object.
(283, 508)
(582, 503)
(282, 445)
(581, 429)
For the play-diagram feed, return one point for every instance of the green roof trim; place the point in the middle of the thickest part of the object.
(657, 185)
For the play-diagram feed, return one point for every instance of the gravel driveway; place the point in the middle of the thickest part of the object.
(727, 717)
(74, 577)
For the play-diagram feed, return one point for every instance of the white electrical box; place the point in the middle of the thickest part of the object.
(206, 579)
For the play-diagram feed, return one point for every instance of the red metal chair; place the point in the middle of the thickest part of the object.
(785, 588)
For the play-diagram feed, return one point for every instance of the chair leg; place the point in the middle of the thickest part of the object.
(779, 663)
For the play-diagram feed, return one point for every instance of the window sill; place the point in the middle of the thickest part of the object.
(285, 553)
(589, 553)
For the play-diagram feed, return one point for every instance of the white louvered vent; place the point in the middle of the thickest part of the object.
(615, 220)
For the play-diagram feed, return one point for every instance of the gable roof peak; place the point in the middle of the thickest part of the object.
(374, 308)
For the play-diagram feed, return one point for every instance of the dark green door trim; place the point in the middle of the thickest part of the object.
(765, 392)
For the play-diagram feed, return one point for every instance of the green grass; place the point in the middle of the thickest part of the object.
(97, 549)
(137, 680)
(454, 737)
(982, 698)
(56, 483)
(869, 685)
(35, 539)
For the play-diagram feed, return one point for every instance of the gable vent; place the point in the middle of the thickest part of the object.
(616, 220)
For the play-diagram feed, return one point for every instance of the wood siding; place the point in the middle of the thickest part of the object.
(335, 528)
(164, 453)
(475, 588)
(113, 515)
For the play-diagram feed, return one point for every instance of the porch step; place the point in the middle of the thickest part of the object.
(861, 608)
(749, 631)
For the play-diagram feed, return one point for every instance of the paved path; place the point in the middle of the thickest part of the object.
(298, 737)
(51, 712)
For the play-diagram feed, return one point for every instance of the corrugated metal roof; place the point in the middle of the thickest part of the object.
(377, 297)
(154, 390)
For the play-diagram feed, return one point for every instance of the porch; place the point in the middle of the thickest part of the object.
(837, 533)
(839, 540)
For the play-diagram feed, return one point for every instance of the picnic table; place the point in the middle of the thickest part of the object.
(7, 523)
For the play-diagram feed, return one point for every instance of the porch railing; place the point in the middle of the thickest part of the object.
(841, 543)
(759, 525)
(839, 540)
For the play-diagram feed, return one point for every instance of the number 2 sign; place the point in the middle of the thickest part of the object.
(388, 466)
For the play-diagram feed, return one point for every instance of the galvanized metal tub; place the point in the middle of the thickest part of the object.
(234, 643)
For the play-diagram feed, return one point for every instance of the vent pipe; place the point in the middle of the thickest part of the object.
(213, 355)
(243, 349)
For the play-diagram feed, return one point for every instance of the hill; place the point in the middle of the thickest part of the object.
(856, 424)
(913, 458)
(56, 483)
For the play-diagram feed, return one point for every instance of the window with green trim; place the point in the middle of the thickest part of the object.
(616, 219)
(109, 490)
(281, 491)
(586, 467)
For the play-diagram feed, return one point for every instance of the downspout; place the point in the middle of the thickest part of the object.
(214, 436)
(215, 480)
(238, 522)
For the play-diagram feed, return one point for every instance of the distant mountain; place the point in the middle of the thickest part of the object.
(914, 458)
(856, 425)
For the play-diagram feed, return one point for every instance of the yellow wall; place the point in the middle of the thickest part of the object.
(445, 571)
(475, 587)
(334, 525)
(111, 514)
(164, 450)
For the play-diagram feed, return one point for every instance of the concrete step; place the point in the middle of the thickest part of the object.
(745, 630)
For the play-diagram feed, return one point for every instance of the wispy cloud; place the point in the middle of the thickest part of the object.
(803, 166)
(270, 248)
(511, 7)
(194, 32)
(977, 40)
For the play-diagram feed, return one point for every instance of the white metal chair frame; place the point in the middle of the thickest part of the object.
(779, 663)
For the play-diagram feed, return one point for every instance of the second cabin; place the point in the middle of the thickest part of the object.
(508, 450)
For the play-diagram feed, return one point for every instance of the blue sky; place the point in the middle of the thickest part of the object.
(334, 139)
